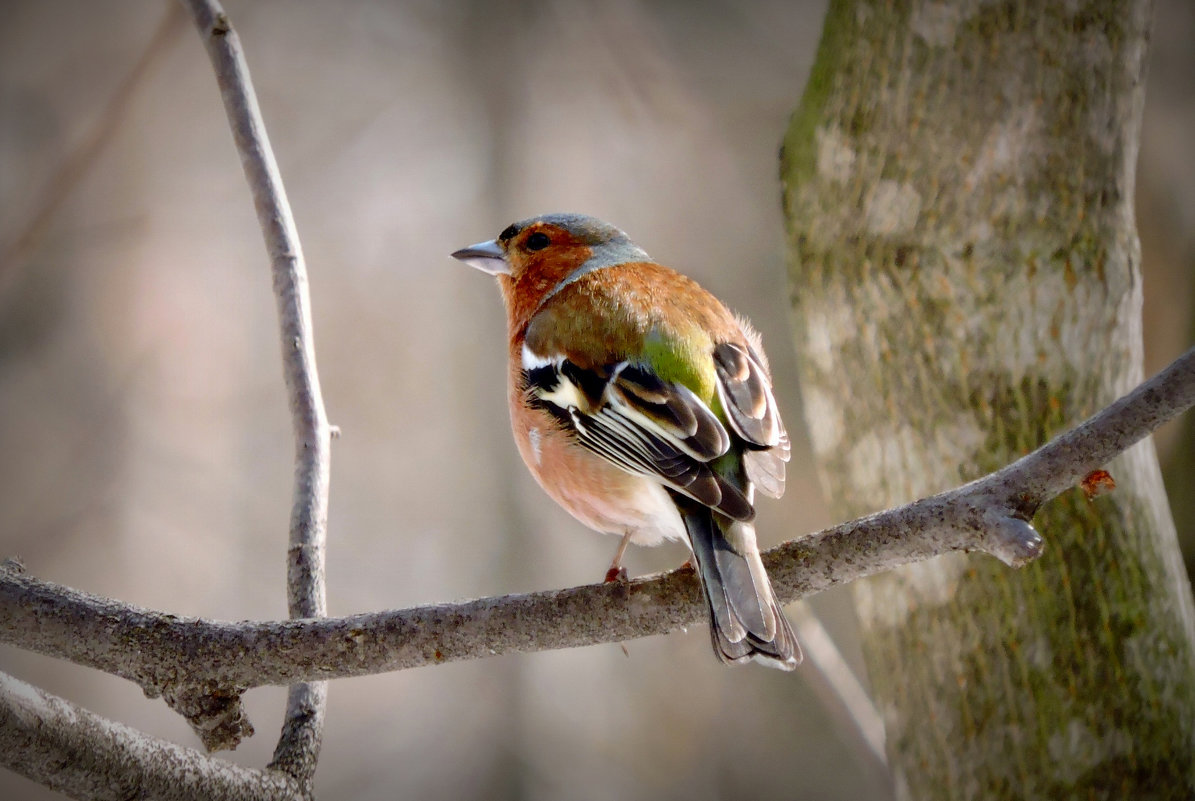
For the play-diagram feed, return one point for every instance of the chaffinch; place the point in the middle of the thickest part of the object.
(644, 407)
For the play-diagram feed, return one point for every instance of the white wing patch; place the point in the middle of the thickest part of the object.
(565, 394)
(533, 361)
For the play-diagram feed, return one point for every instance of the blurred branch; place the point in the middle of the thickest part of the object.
(298, 747)
(85, 154)
(166, 654)
(842, 695)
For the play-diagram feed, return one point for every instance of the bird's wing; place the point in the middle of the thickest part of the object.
(628, 415)
(745, 390)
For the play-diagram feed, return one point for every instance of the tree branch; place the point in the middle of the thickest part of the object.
(77, 752)
(164, 653)
(298, 747)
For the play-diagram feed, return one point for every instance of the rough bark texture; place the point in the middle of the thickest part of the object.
(83, 755)
(965, 271)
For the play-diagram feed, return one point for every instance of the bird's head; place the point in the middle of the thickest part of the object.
(539, 254)
(535, 258)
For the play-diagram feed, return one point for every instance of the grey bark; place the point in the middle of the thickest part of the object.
(83, 755)
(965, 269)
(297, 752)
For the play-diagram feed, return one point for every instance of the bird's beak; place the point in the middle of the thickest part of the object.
(485, 256)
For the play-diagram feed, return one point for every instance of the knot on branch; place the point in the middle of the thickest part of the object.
(1013, 541)
(216, 715)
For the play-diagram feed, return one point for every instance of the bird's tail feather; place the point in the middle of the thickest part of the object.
(746, 622)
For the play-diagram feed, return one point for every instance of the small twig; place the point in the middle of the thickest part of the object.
(298, 747)
(162, 652)
(85, 154)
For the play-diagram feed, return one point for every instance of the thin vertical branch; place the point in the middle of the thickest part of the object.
(298, 747)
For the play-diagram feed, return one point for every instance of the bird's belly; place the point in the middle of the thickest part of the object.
(602, 496)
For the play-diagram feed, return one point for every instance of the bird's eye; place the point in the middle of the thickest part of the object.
(538, 241)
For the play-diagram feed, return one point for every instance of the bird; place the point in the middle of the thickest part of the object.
(645, 408)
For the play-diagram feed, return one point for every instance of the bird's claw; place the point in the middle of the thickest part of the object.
(616, 574)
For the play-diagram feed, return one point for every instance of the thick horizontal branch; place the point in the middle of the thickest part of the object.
(164, 653)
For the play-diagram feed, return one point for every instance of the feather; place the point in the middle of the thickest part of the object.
(640, 450)
(765, 470)
(644, 425)
(746, 621)
(670, 408)
(746, 393)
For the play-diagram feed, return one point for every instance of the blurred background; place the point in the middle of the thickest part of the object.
(145, 445)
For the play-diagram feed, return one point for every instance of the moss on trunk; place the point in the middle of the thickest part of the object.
(965, 272)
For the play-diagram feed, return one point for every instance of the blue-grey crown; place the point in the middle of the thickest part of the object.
(610, 245)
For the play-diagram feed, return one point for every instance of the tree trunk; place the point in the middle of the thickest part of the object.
(965, 272)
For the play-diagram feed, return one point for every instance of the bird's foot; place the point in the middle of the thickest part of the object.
(616, 574)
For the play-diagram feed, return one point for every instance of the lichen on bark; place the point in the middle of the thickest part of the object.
(965, 270)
